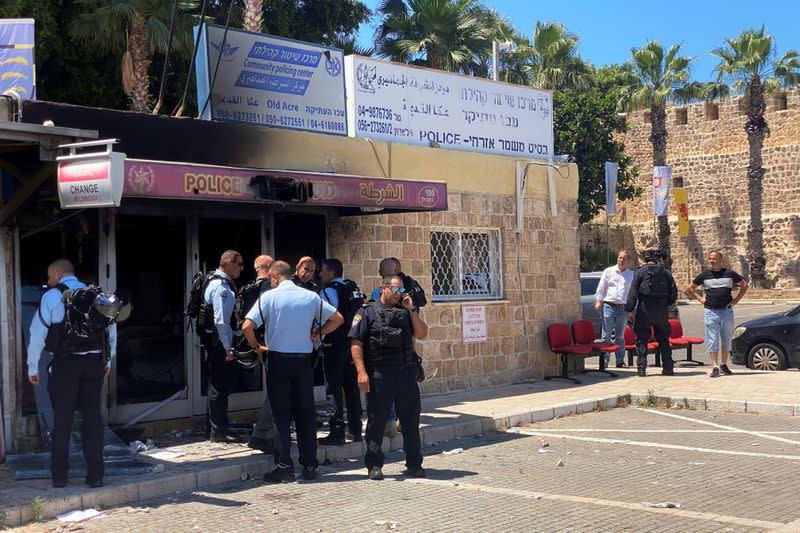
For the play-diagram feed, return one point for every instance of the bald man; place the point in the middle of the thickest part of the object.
(262, 438)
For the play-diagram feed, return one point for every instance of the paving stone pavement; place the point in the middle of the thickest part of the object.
(501, 482)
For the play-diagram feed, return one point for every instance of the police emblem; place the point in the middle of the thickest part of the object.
(356, 319)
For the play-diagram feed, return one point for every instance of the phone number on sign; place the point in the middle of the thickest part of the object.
(270, 119)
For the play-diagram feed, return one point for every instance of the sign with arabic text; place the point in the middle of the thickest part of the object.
(270, 81)
(160, 179)
(414, 105)
(17, 66)
(473, 323)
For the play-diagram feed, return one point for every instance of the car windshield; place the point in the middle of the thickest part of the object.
(589, 286)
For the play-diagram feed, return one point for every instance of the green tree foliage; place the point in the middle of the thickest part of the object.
(551, 60)
(585, 124)
(314, 21)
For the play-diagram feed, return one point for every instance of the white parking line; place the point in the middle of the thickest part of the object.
(721, 426)
(526, 431)
(744, 522)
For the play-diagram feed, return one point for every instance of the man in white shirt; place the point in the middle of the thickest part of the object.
(610, 298)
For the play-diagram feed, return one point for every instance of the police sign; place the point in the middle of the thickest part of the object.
(93, 179)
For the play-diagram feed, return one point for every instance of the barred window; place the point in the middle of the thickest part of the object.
(466, 264)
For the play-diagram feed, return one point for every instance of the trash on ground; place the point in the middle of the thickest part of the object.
(537, 496)
(79, 516)
(134, 510)
(545, 450)
(453, 451)
(157, 469)
(244, 476)
(663, 505)
(543, 443)
(560, 462)
(274, 511)
(387, 524)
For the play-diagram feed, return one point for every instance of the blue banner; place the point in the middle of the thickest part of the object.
(17, 66)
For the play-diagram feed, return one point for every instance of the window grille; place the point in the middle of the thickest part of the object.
(466, 264)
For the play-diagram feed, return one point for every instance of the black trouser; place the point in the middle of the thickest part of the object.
(220, 383)
(76, 382)
(652, 313)
(290, 387)
(343, 386)
(396, 385)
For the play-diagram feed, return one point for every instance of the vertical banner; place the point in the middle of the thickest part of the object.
(681, 200)
(661, 180)
(612, 169)
(17, 68)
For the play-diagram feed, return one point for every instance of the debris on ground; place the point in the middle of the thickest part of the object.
(663, 505)
(560, 462)
(244, 476)
(274, 511)
(537, 496)
(134, 510)
(545, 450)
(543, 443)
(453, 451)
(157, 469)
(79, 516)
(387, 524)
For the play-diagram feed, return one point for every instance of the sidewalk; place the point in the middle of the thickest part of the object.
(444, 417)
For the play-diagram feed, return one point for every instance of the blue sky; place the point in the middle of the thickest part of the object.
(610, 28)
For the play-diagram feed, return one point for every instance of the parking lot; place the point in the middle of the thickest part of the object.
(613, 470)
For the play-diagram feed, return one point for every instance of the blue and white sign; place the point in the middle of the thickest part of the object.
(17, 66)
(270, 81)
(414, 105)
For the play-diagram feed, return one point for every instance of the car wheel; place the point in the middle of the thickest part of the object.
(766, 356)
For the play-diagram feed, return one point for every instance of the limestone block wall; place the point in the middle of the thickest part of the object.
(709, 155)
(540, 272)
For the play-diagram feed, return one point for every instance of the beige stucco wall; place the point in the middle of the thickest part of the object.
(711, 156)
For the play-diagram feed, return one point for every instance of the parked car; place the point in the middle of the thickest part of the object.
(589, 283)
(770, 342)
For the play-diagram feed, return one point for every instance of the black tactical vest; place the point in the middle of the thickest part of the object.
(390, 337)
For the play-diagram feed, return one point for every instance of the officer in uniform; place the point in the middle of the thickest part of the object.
(260, 440)
(75, 381)
(292, 318)
(382, 346)
(339, 370)
(220, 294)
(304, 274)
(652, 291)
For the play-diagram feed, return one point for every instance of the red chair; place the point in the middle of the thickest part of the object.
(583, 333)
(630, 346)
(560, 340)
(677, 340)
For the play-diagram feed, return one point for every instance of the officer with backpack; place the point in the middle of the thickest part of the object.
(340, 373)
(82, 358)
(215, 325)
(652, 291)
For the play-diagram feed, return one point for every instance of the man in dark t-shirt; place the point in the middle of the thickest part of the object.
(718, 283)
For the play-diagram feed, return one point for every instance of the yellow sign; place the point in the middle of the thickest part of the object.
(681, 200)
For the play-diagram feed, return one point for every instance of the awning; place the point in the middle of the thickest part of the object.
(182, 181)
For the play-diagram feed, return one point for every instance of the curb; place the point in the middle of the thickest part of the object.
(172, 481)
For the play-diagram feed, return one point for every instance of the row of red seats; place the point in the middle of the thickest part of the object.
(581, 340)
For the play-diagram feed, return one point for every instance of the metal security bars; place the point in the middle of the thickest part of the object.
(466, 264)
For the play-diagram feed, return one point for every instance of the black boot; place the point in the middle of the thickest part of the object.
(335, 438)
(642, 371)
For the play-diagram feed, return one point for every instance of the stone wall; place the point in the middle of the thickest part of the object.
(710, 156)
(541, 290)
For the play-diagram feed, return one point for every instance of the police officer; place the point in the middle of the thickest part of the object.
(217, 339)
(260, 440)
(339, 370)
(291, 317)
(304, 274)
(652, 291)
(382, 346)
(75, 381)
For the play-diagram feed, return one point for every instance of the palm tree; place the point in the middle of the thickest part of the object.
(253, 15)
(552, 60)
(748, 66)
(662, 77)
(134, 29)
(454, 35)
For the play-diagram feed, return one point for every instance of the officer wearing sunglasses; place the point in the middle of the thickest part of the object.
(382, 345)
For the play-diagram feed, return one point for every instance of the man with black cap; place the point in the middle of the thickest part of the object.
(652, 291)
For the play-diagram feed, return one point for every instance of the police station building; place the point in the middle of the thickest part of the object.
(491, 236)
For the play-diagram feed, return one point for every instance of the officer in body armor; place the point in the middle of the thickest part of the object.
(382, 346)
(76, 377)
(216, 333)
(652, 291)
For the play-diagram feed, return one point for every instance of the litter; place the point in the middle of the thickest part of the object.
(157, 469)
(545, 450)
(537, 496)
(79, 516)
(560, 462)
(663, 505)
(274, 511)
(134, 510)
(453, 451)
(388, 524)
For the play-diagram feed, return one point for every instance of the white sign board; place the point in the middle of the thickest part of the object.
(91, 181)
(270, 81)
(473, 323)
(414, 105)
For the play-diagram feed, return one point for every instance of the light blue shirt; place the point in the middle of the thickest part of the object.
(330, 295)
(51, 311)
(222, 299)
(289, 313)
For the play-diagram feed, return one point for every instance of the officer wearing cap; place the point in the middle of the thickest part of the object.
(652, 291)
(75, 380)
(220, 294)
(382, 346)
